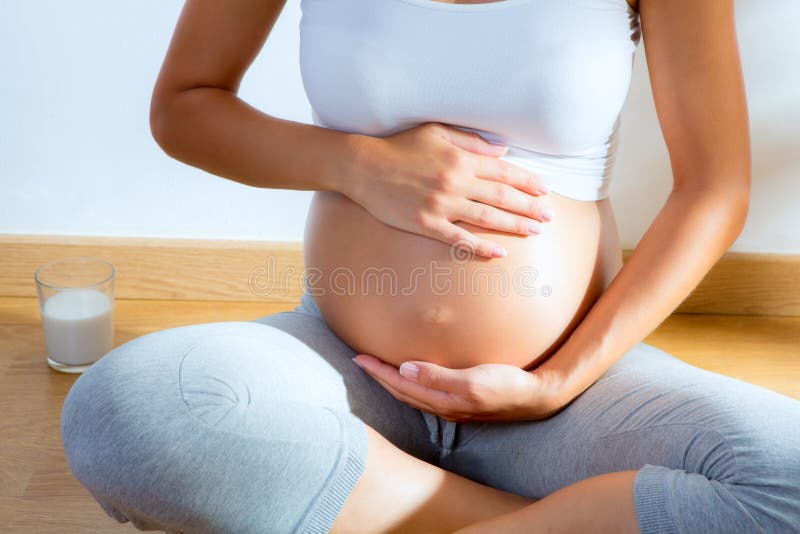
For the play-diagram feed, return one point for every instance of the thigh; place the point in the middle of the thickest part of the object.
(649, 408)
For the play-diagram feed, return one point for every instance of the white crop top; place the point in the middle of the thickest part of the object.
(546, 77)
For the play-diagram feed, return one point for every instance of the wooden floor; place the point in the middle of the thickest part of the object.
(38, 493)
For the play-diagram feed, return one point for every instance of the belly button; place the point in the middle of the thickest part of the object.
(437, 314)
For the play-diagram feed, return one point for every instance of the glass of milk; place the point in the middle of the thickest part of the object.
(76, 301)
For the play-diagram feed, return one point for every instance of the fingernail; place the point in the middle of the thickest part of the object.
(499, 252)
(544, 188)
(409, 370)
(357, 362)
(547, 214)
(534, 227)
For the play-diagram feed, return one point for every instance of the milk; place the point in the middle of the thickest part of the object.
(78, 326)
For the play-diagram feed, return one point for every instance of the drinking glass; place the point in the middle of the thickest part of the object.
(76, 302)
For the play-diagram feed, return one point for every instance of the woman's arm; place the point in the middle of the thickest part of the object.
(699, 93)
(196, 116)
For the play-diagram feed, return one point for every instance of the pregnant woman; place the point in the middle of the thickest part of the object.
(467, 355)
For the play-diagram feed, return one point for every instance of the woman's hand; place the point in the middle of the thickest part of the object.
(424, 179)
(486, 392)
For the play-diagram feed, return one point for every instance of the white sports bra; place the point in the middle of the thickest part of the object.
(546, 77)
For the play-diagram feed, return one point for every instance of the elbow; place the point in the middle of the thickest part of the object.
(725, 205)
(161, 124)
(737, 201)
(174, 122)
(739, 209)
(167, 118)
(731, 209)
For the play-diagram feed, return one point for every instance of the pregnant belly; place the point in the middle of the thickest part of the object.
(400, 296)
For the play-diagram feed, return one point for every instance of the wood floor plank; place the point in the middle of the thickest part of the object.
(74, 514)
(8, 506)
(17, 463)
(761, 350)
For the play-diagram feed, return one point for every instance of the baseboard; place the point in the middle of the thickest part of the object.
(159, 268)
(228, 270)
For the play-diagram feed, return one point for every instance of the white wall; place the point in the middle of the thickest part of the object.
(76, 155)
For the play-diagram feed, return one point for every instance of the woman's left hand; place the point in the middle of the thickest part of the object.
(486, 392)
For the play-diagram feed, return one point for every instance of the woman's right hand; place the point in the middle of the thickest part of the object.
(424, 179)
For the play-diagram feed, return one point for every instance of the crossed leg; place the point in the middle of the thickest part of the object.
(248, 427)
(655, 444)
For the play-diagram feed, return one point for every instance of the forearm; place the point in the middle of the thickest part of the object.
(691, 232)
(212, 129)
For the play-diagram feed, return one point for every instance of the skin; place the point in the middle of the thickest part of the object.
(698, 89)
(458, 320)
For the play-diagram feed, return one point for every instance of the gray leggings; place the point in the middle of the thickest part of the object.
(245, 427)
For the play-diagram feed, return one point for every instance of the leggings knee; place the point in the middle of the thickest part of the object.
(749, 476)
(213, 430)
